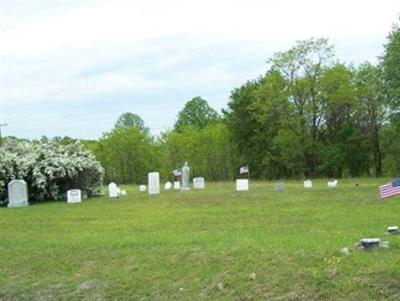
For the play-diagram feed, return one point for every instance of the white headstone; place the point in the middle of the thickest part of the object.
(154, 182)
(177, 185)
(332, 184)
(74, 196)
(280, 186)
(168, 185)
(113, 190)
(307, 184)
(17, 193)
(142, 188)
(198, 183)
(185, 177)
(242, 184)
(123, 192)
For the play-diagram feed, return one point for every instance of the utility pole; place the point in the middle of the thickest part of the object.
(1, 125)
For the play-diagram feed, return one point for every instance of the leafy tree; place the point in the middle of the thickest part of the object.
(128, 119)
(302, 66)
(196, 113)
(391, 70)
(127, 154)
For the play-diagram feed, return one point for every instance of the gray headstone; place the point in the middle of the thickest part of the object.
(17, 193)
(198, 183)
(279, 186)
(74, 196)
(154, 182)
(185, 177)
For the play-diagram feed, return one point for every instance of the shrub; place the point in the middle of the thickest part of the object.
(49, 168)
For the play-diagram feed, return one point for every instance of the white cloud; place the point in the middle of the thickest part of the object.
(111, 56)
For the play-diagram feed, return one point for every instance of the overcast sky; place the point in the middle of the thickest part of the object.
(72, 67)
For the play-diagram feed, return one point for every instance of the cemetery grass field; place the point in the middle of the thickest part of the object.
(215, 244)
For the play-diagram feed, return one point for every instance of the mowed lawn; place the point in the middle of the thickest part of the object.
(214, 244)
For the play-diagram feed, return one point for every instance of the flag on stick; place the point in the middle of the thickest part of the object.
(390, 189)
(177, 172)
(244, 169)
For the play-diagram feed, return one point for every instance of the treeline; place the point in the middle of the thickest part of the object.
(309, 115)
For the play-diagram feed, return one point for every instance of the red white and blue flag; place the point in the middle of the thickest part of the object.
(177, 172)
(390, 189)
(244, 169)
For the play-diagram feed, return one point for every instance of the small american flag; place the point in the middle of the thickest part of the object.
(177, 172)
(244, 169)
(389, 189)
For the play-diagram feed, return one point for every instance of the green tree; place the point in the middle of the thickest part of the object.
(196, 113)
(128, 119)
(302, 66)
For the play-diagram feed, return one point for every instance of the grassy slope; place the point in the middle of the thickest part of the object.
(204, 245)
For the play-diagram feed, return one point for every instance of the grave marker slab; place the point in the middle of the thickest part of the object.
(17, 193)
(280, 186)
(177, 185)
(332, 184)
(142, 188)
(307, 184)
(154, 182)
(74, 196)
(185, 177)
(199, 183)
(113, 190)
(242, 184)
(168, 185)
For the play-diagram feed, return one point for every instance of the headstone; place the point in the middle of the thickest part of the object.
(198, 183)
(307, 184)
(113, 190)
(177, 185)
(168, 185)
(279, 186)
(154, 182)
(74, 196)
(332, 184)
(142, 188)
(17, 193)
(185, 177)
(123, 192)
(242, 184)
(393, 230)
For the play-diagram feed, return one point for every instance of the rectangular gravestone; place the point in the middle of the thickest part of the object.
(332, 184)
(177, 185)
(198, 183)
(242, 184)
(307, 184)
(279, 186)
(154, 182)
(74, 196)
(17, 193)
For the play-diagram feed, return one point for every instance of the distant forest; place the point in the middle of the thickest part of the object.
(310, 115)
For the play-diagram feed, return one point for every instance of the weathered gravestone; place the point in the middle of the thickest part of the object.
(242, 184)
(142, 188)
(185, 177)
(332, 183)
(279, 186)
(177, 185)
(74, 196)
(198, 183)
(307, 184)
(17, 193)
(154, 182)
(113, 190)
(168, 185)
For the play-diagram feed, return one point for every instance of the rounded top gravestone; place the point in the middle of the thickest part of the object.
(17, 193)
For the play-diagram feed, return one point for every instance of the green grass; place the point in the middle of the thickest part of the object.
(205, 245)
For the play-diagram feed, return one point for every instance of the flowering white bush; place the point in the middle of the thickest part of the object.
(50, 168)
